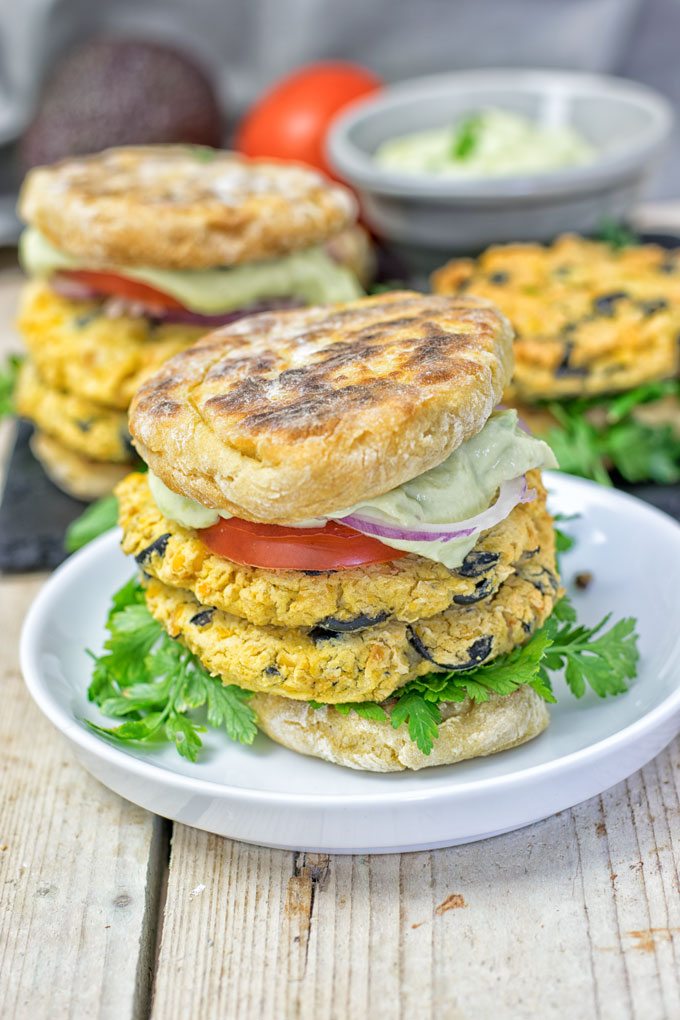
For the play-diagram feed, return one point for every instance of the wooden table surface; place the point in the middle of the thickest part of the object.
(107, 911)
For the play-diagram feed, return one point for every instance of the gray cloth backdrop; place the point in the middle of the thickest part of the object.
(249, 43)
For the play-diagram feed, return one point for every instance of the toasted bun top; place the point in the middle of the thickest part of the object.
(181, 207)
(290, 415)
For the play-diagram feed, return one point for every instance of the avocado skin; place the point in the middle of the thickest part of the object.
(110, 92)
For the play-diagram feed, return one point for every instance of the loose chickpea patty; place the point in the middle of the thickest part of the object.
(588, 320)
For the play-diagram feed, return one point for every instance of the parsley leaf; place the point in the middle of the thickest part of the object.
(591, 656)
(153, 682)
(563, 541)
(202, 153)
(134, 632)
(466, 137)
(621, 405)
(93, 522)
(639, 452)
(184, 734)
(596, 433)
(385, 286)
(8, 380)
(365, 709)
(228, 707)
(616, 234)
(576, 443)
(421, 716)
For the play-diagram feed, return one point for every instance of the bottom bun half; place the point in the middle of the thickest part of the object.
(469, 730)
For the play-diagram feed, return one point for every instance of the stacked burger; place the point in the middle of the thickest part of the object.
(596, 348)
(135, 253)
(336, 518)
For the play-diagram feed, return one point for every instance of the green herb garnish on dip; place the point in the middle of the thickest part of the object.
(490, 143)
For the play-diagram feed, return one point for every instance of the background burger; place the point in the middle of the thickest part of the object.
(133, 254)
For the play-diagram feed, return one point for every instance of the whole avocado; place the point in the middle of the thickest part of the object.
(112, 91)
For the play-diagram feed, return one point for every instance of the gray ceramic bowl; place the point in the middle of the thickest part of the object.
(429, 217)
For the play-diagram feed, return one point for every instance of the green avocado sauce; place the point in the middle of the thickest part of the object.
(460, 487)
(310, 275)
(491, 143)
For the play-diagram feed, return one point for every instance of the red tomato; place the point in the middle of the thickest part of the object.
(332, 547)
(292, 119)
(120, 286)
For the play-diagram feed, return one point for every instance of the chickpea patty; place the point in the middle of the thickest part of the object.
(317, 664)
(408, 589)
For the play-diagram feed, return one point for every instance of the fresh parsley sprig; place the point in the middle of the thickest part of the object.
(98, 518)
(564, 542)
(596, 433)
(616, 234)
(466, 137)
(154, 683)
(9, 374)
(416, 705)
(604, 660)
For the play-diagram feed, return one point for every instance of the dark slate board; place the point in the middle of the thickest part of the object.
(665, 497)
(34, 513)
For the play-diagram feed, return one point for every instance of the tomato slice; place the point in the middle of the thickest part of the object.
(113, 285)
(331, 547)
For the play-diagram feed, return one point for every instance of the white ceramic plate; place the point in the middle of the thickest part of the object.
(271, 796)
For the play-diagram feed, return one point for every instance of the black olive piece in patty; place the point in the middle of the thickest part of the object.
(565, 368)
(476, 563)
(318, 634)
(81, 321)
(542, 579)
(360, 622)
(203, 618)
(605, 303)
(483, 589)
(158, 546)
(649, 308)
(478, 651)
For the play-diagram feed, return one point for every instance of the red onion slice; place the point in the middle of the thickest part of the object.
(74, 290)
(510, 494)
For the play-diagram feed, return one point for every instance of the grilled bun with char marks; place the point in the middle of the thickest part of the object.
(181, 207)
(283, 417)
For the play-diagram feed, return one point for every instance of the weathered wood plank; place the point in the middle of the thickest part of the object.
(80, 868)
(574, 916)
